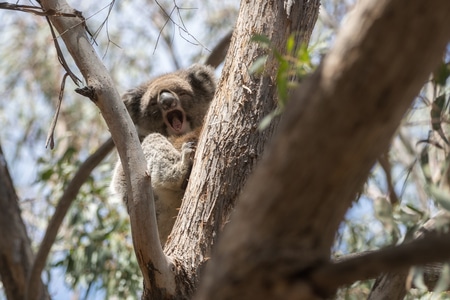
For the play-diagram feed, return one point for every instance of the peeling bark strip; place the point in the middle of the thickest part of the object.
(335, 126)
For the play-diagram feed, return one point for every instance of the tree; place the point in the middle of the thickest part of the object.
(313, 167)
(16, 254)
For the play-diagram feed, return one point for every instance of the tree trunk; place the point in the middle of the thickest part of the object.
(16, 256)
(336, 125)
(231, 144)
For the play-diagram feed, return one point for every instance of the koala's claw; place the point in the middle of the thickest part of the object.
(188, 150)
(190, 145)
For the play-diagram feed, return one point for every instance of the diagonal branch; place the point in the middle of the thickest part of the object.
(432, 248)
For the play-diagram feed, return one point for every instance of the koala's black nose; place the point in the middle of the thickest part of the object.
(167, 100)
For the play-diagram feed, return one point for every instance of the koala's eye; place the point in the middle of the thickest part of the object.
(183, 93)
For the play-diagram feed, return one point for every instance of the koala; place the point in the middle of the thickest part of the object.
(168, 112)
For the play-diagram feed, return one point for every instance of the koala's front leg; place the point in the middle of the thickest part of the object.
(168, 167)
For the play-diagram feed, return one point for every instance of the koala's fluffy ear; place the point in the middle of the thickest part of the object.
(132, 99)
(202, 79)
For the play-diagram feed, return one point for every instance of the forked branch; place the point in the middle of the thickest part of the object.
(142, 212)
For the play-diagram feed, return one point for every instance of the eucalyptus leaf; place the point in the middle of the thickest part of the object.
(441, 74)
(437, 109)
(262, 40)
(258, 65)
(441, 196)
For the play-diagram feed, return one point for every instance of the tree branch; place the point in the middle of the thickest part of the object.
(432, 248)
(141, 206)
(218, 54)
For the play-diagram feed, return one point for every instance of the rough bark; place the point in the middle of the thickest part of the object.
(336, 125)
(231, 144)
(16, 255)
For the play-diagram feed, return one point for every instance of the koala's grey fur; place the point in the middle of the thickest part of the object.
(168, 112)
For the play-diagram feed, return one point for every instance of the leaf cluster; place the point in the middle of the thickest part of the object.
(293, 66)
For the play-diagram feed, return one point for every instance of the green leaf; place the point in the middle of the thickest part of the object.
(383, 209)
(262, 40)
(290, 44)
(436, 116)
(415, 210)
(442, 197)
(47, 174)
(303, 54)
(283, 81)
(258, 65)
(441, 74)
(425, 165)
(268, 119)
(265, 122)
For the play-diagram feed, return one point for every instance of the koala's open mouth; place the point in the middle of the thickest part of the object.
(175, 118)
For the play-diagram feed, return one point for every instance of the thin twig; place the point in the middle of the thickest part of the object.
(50, 136)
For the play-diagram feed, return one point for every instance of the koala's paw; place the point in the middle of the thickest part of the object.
(187, 152)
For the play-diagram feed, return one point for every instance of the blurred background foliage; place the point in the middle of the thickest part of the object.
(138, 39)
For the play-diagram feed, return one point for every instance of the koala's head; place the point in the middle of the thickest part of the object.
(172, 104)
